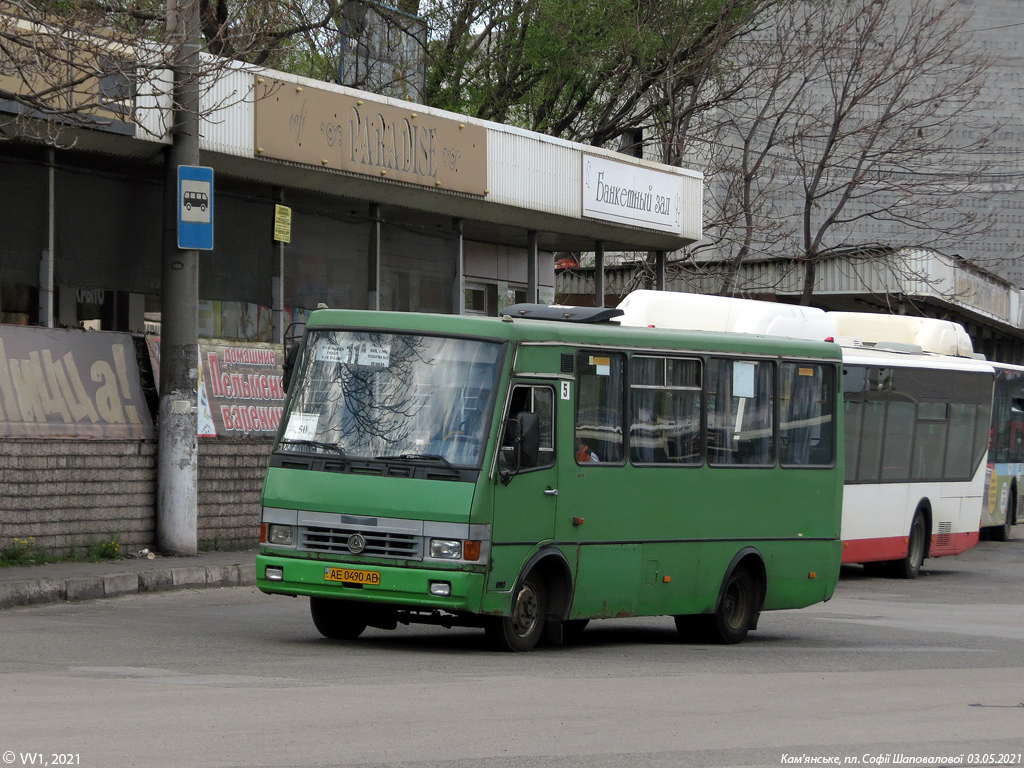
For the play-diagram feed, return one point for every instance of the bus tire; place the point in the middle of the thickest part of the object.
(735, 615)
(1002, 532)
(737, 609)
(521, 630)
(336, 619)
(917, 545)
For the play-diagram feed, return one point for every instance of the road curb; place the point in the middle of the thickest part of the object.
(79, 588)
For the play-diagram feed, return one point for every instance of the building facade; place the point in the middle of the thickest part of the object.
(321, 195)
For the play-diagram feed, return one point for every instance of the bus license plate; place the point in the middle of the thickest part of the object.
(352, 576)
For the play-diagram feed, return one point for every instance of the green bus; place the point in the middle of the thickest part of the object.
(529, 473)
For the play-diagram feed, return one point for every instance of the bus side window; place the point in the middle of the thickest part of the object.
(664, 395)
(600, 381)
(539, 400)
(807, 414)
(740, 412)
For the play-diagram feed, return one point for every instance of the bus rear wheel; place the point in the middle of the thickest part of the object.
(521, 630)
(732, 619)
(910, 566)
(737, 609)
(337, 619)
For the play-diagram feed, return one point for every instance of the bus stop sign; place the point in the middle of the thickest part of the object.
(195, 207)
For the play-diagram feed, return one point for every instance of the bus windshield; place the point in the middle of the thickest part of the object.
(369, 395)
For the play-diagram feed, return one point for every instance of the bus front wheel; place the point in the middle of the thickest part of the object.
(521, 630)
(1002, 532)
(337, 619)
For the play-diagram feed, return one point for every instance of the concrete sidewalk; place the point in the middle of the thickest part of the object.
(57, 582)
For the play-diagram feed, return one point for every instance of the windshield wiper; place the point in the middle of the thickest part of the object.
(314, 444)
(417, 456)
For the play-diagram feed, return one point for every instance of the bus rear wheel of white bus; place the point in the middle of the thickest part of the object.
(521, 630)
(909, 566)
(337, 619)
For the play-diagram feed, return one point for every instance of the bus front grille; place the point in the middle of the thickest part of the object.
(401, 546)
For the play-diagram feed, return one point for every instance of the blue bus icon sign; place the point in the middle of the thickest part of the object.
(195, 208)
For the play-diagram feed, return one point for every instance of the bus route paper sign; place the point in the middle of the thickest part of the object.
(282, 224)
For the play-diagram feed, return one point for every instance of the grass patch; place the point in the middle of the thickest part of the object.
(25, 552)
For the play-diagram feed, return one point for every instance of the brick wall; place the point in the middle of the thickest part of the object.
(230, 481)
(67, 495)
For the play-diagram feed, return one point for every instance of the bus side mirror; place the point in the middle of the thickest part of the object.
(289, 365)
(520, 445)
(529, 444)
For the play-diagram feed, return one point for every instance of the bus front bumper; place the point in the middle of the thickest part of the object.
(406, 586)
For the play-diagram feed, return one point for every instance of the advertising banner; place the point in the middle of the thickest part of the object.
(240, 388)
(242, 383)
(59, 383)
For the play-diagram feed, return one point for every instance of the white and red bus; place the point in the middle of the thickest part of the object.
(917, 413)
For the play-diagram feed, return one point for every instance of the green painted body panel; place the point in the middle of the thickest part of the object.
(399, 585)
(636, 540)
(346, 493)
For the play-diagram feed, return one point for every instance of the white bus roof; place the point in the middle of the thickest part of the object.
(696, 312)
(891, 359)
(939, 337)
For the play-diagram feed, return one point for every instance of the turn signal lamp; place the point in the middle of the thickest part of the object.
(471, 550)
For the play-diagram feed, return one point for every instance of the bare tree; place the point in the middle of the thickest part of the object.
(92, 64)
(859, 125)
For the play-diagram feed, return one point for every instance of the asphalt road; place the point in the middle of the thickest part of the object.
(888, 671)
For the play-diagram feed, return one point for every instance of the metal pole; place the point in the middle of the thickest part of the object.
(599, 288)
(659, 270)
(46, 263)
(531, 266)
(277, 282)
(373, 254)
(459, 299)
(177, 471)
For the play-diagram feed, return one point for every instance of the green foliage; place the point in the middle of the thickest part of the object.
(580, 69)
(107, 549)
(23, 552)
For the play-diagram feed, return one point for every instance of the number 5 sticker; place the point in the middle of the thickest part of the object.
(566, 391)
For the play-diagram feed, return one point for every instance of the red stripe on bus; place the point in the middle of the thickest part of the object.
(895, 547)
(953, 543)
(869, 550)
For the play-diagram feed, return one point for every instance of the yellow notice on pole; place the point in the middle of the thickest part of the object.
(282, 223)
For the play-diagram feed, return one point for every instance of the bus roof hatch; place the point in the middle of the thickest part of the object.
(562, 314)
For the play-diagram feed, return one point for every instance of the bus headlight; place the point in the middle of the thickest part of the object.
(446, 549)
(281, 535)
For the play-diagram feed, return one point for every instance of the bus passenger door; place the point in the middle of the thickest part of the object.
(525, 499)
